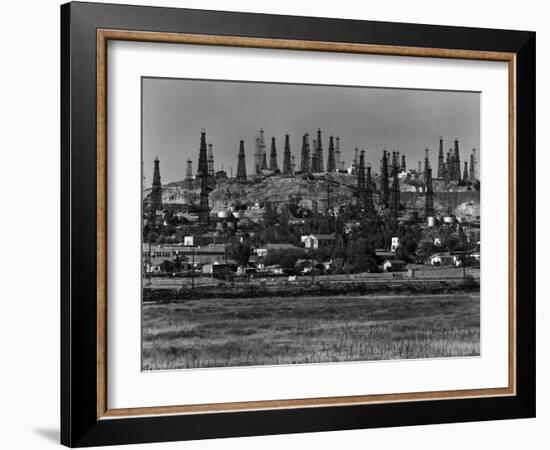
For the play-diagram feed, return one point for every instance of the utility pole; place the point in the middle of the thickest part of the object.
(193, 269)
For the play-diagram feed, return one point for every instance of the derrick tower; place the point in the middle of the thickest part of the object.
(273, 156)
(331, 161)
(395, 193)
(384, 180)
(456, 160)
(210, 161)
(441, 160)
(429, 207)
(320, 165)
(287, 158)
(337, 155)
(426, 165)
(204, 213)
(263, 155)
(361, 181)
(369, 204)
(473, 165)
(304, 166)
(241, 164)
(156, 192)
(355, 163)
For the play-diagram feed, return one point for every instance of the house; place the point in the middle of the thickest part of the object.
(440, 259)
(304, 266)
(217, 269)
(246, 271)
(394, 265)
(274, 269)
(317, 241)
(394, 243)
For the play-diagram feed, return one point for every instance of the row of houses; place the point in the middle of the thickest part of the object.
(213, 258)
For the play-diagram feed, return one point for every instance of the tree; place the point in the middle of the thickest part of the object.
(361, 256)
(240, 252)
(426, 248)
(407, 248)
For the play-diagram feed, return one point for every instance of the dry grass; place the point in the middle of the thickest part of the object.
(261, 331)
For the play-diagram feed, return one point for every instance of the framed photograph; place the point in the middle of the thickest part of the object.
(276, 224)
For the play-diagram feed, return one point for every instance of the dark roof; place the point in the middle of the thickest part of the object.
(321, 237)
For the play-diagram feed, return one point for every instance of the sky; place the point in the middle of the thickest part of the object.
(374, 119)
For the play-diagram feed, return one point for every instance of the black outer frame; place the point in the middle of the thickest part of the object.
(79, 425)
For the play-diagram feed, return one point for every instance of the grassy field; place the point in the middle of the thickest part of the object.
(260, 331)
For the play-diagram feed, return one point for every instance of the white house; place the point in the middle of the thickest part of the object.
(316, 241)
(394, 243)
(440, 259)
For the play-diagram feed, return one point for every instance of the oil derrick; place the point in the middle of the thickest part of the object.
(320, 165)
(287, 158)
(331, 160)
(426, 166)
(314, 165)
(293, 165)
(369, 204)
(156, 192)
(429, 207)
(440, 160)
(384, 180)
(258, 157)
(448, 167)
(361, 181)
(419, 167)
(395, 193)
(273, 156)
(456, 158)
(210, 161)
(202, 173)
(263, 152)
(337, 155)
(465, 174)
(403, 164)
(304, 166)
(355, 163)
(473, 163)
(241, 164)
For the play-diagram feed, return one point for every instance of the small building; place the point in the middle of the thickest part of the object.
(274, 269)
(217, 269)
(441, 259)
(394, 243)
(246, 271)
(317, 241)
(394, 265)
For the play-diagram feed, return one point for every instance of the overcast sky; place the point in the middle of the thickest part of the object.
(175, 111)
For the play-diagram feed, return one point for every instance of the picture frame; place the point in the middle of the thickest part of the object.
(86, 418)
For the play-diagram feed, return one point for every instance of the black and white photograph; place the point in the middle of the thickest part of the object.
(299, 224)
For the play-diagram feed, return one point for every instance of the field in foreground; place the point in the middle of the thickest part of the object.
(278, 330)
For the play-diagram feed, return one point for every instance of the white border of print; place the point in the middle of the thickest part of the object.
(128, 386)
